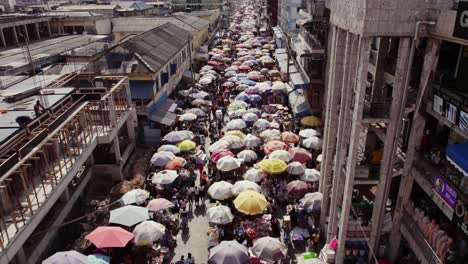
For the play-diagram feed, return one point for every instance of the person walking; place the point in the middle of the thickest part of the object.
(196, 193)
(190, 259)
(201, 195)
(181, 260)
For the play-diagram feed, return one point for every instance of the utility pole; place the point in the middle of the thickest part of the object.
(288, 51)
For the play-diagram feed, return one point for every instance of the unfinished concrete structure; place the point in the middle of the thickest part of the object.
(371, 92)
(45, 168)
(16, 30)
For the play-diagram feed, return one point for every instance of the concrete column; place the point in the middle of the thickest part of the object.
(36, 27)
(417, 130)
(118, 159)
(49, 31)
(26, 35)
(15, 35)
(2, 38)
(379, 74)
(21, 257)
(362, 51)
(391, 140)
(130, 129)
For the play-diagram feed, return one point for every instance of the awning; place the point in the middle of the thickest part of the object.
(277, 32)
(298, 103)
(164, 114)
(457, 154)
(201, 56)
(299, 81)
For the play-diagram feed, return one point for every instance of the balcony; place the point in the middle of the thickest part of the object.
(418, 243)
(376, 109)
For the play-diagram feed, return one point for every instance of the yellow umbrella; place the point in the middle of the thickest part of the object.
(250, 202)
(186, 145)
(236, 133)
(311, 121)
(272, 166)
(227, 49)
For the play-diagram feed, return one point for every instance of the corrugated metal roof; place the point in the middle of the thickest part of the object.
(141, 24)
(138, 5)
(158, 46)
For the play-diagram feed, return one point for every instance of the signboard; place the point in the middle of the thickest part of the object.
(438, 104)
(443, 189)
(451, 113)
(460, 217)
(463, 122)
(461, 22)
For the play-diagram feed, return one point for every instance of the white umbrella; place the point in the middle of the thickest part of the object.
(219, 215)
(188, 117)
(280, 154)
(254, 175)
(169, 148)
(247, 155)
(312, 143)
(312, 201)
(311, 175)
(199, 95)
(197, 112)
(164, 177)
(162, 158)
(135, 196)
(296, 168)
(244, 185)
(270, 133)
(221, 190)
(250, 117)
(229, 252)
(269, 249)
(177, 136)
(235, 124)
(218, 145)
(228, 163)
(147, 232)
(261, 123)
(234, 141)
(309, 132)
(66, 257)
(319, 158)
(255, 111)
(251, 141)
(199, 102)
(128, 215)
(184, 93)
(278, 86)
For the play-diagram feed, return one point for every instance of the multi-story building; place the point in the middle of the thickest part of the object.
(395, 130)
(288, 13)
(272, 12)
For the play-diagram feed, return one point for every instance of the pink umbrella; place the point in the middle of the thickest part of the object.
(244, 68)
(300, 154)
(109, 237)
(214, 63)
(297, 189)
(220, 154)
(159, 204)
(228, 84)
(237, 63)
(240, 46)
(274, 145)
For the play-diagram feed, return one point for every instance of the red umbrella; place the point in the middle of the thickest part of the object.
(297, 189)
(228, 84)
(300, 154)
(214, 63)
(109, 237)
(240, 46)
(221, 153)
(175, 164)
(245, 68)
(274, 145)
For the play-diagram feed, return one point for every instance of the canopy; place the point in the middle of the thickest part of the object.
(128, 215)
(272, 166)
(147, 232)
(269, 249)
(66, 257)
(136, 196)
(159, 204)
(219, 215)
(457, 154)
(229, 252)
(109, 237)
(221, 190)
(186, 145)
(250, 202)
(244, 185)
(164, 177)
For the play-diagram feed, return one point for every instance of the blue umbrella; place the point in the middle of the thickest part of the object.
(243, 97)
(98, 259)
(255, 98)
(248, 82)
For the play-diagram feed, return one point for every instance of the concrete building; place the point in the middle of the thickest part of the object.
(288, 13)
(187, 5)
(46, 168)
(15, 30)
(80, 22)
(395, 70)
(272, 12)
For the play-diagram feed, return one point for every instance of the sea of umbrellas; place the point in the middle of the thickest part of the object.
(254, 142)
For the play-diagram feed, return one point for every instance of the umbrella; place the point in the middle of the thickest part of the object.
(228, 74)
(162, 158)
(98, 259)
(274, 145)
(278, 86)
(261, 123)
(234, 141)
(169, 148)
(236, 133)
(232, 68)
(197, 112)
(228, 163)
(312, 143)
(236, 105)
(319, 158)
(200, 95)
(270, 133)
(164, 177)
(186, 145)
(297, 188)
(272, 166)
(220, 190)
(159, 204)
(218, 154)
(229, 252)
(184, 93)
(66, 257)
(218, 145)
(289, 137)
(175, 164)
(235, 124)
(109, 237)
(251, 141)
(136, 196)
(254, 175)
(312, 201)
(219, 215)
(177, 136)
(311, 121)
(300, 154)
(237, 113)
(244, 68)
(188, 117)
(128, 215)
(228, 84)
(280, 154)
(205, 81)
(255, 98)
(250, 202)
(247, 155)
(269, 249)
(311, 175)
(296, 168)
(147, 232)
(214, 63)
(309, 132)
(244, 185)
(199, 102)
(243, 97)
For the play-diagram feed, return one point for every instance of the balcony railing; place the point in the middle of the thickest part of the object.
(376, 108)
(312, 40)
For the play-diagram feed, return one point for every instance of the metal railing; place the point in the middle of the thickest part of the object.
(376, 108)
